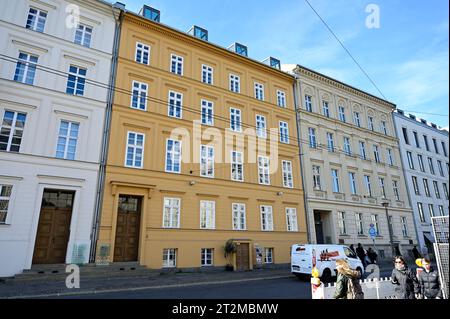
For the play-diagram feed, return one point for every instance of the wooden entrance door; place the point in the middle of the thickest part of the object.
(242, 257)
(54, 227)
(126, 247)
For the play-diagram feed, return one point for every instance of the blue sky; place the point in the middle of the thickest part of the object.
(407, 57)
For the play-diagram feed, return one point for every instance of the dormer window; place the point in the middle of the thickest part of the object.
(273, 63)
(198, 32)
(150, 13)
(239, 49)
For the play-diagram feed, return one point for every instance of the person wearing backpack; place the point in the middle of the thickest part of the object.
(347, 285)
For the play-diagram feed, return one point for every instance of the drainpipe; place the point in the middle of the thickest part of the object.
(106, 133)
(406, 182)
(296, 86)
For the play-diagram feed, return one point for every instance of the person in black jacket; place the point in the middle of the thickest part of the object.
(430, 283)
(361, 254)
(405, 280)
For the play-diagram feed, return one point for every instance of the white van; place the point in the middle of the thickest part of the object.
(323, 257)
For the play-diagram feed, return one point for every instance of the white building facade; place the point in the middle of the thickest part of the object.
(351, 166)
(424, 152)
(55, 66)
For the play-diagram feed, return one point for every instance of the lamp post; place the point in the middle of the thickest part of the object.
(391, 240)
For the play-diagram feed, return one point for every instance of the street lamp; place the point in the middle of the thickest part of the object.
(391, 240)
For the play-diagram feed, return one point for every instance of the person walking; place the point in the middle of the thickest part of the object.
(416, 253)
(361, 253)
(352, 248)
(347, 284)
(429, 281)
(405, 280)
(372, 256)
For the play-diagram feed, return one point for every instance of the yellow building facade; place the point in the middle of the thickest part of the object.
(164, 210)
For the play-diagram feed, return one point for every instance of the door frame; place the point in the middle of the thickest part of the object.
(250, 253)
(37, 215)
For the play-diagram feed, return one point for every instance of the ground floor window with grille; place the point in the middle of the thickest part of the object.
(169, 258)
(5, 197)
(207, 257)
(268, 255)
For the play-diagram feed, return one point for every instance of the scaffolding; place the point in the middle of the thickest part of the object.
(441, 247)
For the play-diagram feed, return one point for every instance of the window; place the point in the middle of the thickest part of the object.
(291, 219)
(261, 126)
(263, 170)
(139, 97)
(76, 80)
(207, 257)
(268, 255)
(235, 83)
(441, 169)
(444, 149)
(308, 103)
(404, 226)
(11, 131)
(390, 157)
(312, 138)
(281, 98)
(176, 64)
(444, 185)
(421, 214)
(341, 221)
(415, 185)
(368, 185)
(352, 179)
(382, 187)
(239, 217)
(416, 139)
(410, 160)
(421, 166)
(67, 140)
(171, 216)
(376, 154)
(347, 146)
(375, 223)
(405, 135)
(207, 74)
(36, 20)
(326, 109)
(441, 210)
(5, 198)
(135, 150)
(435, 146)
(207, 214)
(431, 165)
(173, 156)
(284, 132)
(175, 108)
(360, 223)
(330, 141)
(370, 123)
(342, 114)
(288, 180)
(169, 258)
(362, 150)
(426, 187)
(431, 210)
(207, 112)
(436, 190)
(235, 120)
(142, 53)
(237, 166)
(384, 127)
(207, 161)
(26, 68)
(356, 119)
(395, 189)
(83, 35)
(259, 91)
(316, 177)
(427, 146)
(335, 178)
(266, 218)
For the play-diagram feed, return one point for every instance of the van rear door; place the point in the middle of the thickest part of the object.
(301, 259)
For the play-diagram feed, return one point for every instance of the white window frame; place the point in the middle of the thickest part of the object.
(84, 33)
(415, 183)
(177, 61)
(237, 161)
(207, 214)
(8, 199)
(431, 210)
(342, 223)
(375, 222)
(410, 160)
(173, 155)
(347, 146)
(330, 142)
(426, 187)
(167, 254)
(376, 154)
(145, 48)
(326, 108)
(77, 76)
(288, 177)
(237, 121)
(384, 127)
(268, 255)
(370, 123)
(291, 219)
(382, 184)
(395, 189)
(67, 138)
(263, 170)
(261, 126)
(312, 137)
(175, 101)
(139, 90)
(431, 166)
(238, 216)
(357, 119)
(135, 147)
(308, 103)
(421, 164)
(335, 180)
(266, 214)
(362, 150)
(235, 83)
(317, 179)
(207, 112)
(13, 129)
(359, 224)
(421, 212)
(37, 16)
(390, 157)
(207, 74)
(207, 162)
(174, 211)
(284, 132)
(259, 91)
(352, 179)
(342, 114)
(281, 98)
(207, 254)
(368, 185)
(27, 65)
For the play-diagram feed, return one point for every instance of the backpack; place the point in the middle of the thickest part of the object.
(354, 290)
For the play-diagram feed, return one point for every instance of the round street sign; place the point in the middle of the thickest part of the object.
(372, 232)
